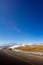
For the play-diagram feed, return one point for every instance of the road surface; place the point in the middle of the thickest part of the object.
(15, 58)
(7, 59)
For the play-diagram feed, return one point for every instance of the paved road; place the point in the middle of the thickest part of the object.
(7, 59)
(15, 58)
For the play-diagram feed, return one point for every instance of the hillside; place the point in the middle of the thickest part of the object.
(32, 48)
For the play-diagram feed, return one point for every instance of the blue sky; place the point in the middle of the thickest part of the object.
(21, 21)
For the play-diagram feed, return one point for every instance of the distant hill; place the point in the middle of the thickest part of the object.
(32, 48)
(7, 45)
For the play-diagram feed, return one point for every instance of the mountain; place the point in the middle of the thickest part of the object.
(7, 45)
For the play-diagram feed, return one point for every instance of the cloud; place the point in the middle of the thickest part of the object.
(12, 25)
(16, 29)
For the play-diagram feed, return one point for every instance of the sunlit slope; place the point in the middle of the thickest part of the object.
(34, 48)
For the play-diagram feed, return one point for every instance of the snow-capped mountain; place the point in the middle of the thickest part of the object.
(7, 45)
(15, 46)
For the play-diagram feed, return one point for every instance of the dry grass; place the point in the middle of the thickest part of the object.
(32, 48)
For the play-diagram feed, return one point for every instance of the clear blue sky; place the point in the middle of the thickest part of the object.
(21, 21)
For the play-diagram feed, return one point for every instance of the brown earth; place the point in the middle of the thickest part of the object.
(32, 48)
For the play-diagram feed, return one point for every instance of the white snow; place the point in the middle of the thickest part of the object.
(16, 46)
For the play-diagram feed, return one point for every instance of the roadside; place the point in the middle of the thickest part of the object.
(29, 58)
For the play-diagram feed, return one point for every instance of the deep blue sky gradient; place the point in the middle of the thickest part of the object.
(21, 21)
